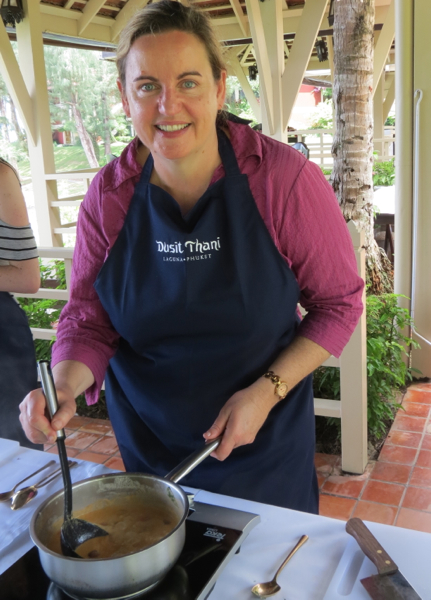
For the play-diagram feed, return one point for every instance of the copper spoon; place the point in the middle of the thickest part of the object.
(263, 590)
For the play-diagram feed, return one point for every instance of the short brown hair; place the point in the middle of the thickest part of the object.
(169, 15)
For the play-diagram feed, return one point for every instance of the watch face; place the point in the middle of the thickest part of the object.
(282, 390)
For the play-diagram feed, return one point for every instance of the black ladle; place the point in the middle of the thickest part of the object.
(74, 532)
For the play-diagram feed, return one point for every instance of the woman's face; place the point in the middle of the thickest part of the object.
(171, 95)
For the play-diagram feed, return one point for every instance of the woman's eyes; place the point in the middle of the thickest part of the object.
(189, 84)
(150, 87)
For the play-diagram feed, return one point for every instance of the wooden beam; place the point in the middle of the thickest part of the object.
(300, 53)
(390, 96)
(248, 49)
(242, 19)
(69, 4)
(90, 11)
(125, 15)
(15, 84)
(273, 29)
(247, 89)
(260, 47)
(41, 153)
(384, 44)
(73, 15)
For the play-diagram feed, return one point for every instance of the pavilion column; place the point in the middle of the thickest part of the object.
(266, 25)
(41, 151)
(404, 152)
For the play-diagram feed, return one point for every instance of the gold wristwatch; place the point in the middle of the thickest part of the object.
(281, 387)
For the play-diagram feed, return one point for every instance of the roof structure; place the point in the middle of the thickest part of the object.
(100, 21)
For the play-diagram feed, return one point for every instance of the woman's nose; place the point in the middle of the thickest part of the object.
(169, 102)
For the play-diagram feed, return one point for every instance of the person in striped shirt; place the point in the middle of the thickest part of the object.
(19, 272)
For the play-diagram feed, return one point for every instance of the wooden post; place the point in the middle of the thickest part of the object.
(41, 152)
(353, 382)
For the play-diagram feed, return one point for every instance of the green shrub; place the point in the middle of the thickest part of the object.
(326, 170)
(384, 172)
(44, 313)
(387, 372)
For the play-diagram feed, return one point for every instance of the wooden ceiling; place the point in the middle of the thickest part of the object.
(111, 8)
(101, 21)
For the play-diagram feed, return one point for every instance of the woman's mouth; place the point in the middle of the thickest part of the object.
(170, 128)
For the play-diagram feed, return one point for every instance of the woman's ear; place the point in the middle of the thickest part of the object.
(221, 90)
(124, 99)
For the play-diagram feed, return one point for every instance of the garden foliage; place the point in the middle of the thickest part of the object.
(45, 313)
(384, 172)
(388, 343)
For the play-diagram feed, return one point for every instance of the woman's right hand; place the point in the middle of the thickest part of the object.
(35, 419)
(71, 378)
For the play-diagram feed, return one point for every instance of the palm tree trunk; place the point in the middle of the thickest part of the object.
(352, 176)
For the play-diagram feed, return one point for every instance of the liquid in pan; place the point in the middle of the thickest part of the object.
(132, 525)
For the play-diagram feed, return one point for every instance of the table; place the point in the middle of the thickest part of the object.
(315, 573)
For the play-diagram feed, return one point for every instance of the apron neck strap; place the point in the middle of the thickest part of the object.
(226, 152)
(227, 155)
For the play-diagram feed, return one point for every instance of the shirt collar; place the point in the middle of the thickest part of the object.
(245, 141)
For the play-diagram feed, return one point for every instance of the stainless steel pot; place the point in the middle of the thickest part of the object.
(125, 576)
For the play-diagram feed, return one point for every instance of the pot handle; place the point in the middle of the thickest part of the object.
(192, 461)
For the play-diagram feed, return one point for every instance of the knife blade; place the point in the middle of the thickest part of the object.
(390, 583)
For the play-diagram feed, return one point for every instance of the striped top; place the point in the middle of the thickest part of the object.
(16, 243)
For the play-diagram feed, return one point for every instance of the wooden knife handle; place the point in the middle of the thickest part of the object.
(371, 547)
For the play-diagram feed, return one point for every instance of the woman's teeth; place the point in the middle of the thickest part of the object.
(172, 127)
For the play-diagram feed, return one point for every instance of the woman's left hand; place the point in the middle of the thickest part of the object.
(241, 418)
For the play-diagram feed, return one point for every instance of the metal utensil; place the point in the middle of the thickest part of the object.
(263, 590)
(74, 532)
(4, 496)
(24, 495)
(389, 584)
(130, 574)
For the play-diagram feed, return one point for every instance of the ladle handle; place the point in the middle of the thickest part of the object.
(192, 461)
(49, 391)
(300, 543)
(52, 405)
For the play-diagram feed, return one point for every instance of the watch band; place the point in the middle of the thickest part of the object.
(281, 387)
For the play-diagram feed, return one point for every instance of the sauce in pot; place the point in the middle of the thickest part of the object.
(131, 523)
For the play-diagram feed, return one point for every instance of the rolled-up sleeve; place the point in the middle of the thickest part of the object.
(314, 236)
(85, 332)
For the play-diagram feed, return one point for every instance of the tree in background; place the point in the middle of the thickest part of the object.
(82, 91)
(352, 176)
(236, 102)
(13, 141)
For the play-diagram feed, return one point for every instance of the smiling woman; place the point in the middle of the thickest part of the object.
(193, 249)
(172, 98)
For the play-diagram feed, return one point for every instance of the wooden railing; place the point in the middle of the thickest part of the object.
(320, 149)
(352, 409)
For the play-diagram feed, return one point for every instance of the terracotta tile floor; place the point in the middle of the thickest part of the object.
(395, 490)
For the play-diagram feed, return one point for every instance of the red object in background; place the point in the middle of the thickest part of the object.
(309, 95)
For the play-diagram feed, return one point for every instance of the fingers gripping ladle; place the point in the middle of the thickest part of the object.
(74, 532)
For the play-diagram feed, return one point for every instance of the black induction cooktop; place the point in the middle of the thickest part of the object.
(213, 535)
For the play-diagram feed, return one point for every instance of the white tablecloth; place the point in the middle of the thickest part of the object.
(327, 567)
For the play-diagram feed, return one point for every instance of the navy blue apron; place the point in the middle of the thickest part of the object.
(204, 303)
(18, 371)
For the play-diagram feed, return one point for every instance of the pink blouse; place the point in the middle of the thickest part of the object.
(297, 205)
